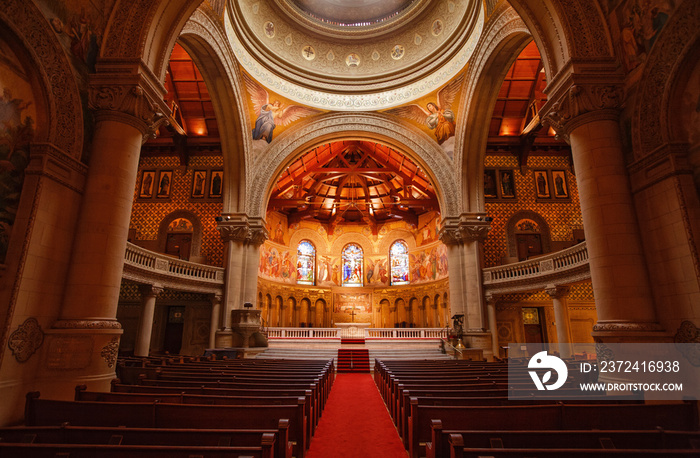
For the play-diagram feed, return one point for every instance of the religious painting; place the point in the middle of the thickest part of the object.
(436, 115)
(165, 179)
(325, 271)
(79, 26)
(507, 184)
(541, 184)
(490, 190)
(306, 263)
(398, 255)
(199, 179)
(147, 181)
(352, 265)
(18, 114)
(216, 184)
(560, 188)
(377, 272)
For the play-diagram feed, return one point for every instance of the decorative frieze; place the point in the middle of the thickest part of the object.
(462, 232)
(86, 324)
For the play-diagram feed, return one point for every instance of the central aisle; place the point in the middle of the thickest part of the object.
(355, 423)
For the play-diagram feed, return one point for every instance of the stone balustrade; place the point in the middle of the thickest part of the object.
(368, 333)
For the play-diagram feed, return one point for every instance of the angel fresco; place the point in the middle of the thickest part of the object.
(272, 114)
(437, 116)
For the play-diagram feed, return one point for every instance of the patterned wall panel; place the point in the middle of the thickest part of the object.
(562, 216)
(147, 215)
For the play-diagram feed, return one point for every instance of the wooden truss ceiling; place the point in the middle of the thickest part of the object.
(353, 182)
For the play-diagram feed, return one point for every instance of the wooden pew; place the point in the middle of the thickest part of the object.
(548, 417)
(622, 439)
(10, 450)
(155, 415)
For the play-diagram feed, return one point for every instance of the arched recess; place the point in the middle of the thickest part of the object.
(374, 127)
(205, 41)
(673, 56)
(511, 230)
(22, 21)
(503, 39)
(196, 233)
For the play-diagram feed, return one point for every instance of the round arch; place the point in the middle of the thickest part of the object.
(205, 41)
(196, 230)
(375, 127)
(511, 231)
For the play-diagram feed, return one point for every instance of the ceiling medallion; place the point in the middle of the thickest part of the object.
(288, 40)
(418, 39)
(308, 52)
(397, 52)
(353, 60)
(437, 27)
(375, 55)
(269, 29)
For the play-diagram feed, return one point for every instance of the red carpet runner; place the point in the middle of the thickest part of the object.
(355, 423)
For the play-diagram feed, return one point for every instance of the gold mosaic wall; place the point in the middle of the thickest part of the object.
(147, 215)
(561, 216)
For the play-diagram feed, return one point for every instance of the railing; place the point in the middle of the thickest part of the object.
(571, 262)
(370, 333)
(143, 265)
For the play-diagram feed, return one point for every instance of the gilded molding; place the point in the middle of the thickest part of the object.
(26, 340)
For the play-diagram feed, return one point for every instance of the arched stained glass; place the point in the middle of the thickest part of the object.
(352, 265)
(398, 258)
(306, 263)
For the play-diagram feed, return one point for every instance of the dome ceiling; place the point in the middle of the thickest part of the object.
(334, 55)
(353, 182)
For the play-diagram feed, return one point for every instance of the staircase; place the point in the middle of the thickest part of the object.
(356, 341)
(353, 360)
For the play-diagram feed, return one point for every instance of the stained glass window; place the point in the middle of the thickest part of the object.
(352, 265)
(306, 263)
(398, 257)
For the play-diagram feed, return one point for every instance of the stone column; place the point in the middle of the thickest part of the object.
(148, 307)
(127, 106)
(561, 317)
(585, 112)
(463, 237)
(493, 324)
(215, 300)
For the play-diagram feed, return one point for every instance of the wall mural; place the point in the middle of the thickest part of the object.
(434, 113)
(271, 112)
(429, 264)
(637, 24)
(17, 115)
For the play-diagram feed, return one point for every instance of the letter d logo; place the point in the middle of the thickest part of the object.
(542, 360)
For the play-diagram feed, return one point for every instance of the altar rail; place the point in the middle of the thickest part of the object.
(368, 333)
(145, 266)
(559, 268)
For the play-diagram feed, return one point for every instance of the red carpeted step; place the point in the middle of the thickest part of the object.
(352, 341)
(353, 360)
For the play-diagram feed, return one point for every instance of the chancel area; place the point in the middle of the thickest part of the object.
(289, 192)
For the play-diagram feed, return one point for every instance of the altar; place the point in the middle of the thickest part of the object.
(353, 330)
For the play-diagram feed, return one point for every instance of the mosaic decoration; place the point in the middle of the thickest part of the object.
(561, 216)
(398, 255)
(352, 265)
(147, 216)
(26, 340)
(306, 263)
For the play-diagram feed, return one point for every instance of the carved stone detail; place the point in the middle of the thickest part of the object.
(110, 351)
(128, 21)
(586, 28)
(557, 291)
(462, 232)
(688, 333)
(26, 340)
(150, 290)
(627, 327)
(566, 112)
(244, 231)
(86, 324)
(128, 103)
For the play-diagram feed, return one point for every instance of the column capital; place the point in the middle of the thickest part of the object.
(125, 90)
(216, 298)
(557, 291)
(467, 228)
(150, 290)
(239, 228)
(579, 98)
(491, 298)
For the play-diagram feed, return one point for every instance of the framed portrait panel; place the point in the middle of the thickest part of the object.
(507, 184)
(216, 183)
(199, 183)
(165, 181)
(147, 183)
(542, 184)
(490, 187)
(561, 190)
